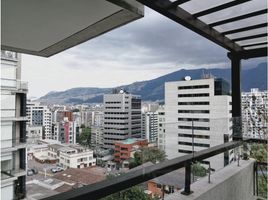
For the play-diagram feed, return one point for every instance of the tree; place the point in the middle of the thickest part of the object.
(133, 193)
(199, 170)
(259, 153)
(146, 154)
(85, 137)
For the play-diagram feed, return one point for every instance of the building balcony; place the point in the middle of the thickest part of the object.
(12, 145)
(14, 85)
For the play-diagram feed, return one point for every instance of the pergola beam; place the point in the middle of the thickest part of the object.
(250, 37)
(220, 7)
(225, 21)
(254, 44)
(251, 53)
(186, 19)
(245, 29)
(176, 3)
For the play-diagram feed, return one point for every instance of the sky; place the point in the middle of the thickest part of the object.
(141, 50)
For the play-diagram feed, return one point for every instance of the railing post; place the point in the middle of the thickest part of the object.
(187, 186)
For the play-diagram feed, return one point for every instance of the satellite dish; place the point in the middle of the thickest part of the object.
(187, 78)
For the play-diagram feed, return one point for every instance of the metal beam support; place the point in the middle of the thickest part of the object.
(186, 19)
(236, 95)
(225, 21)
(220, 7)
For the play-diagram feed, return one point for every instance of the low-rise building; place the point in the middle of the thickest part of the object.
(125, 149)
(72, 156)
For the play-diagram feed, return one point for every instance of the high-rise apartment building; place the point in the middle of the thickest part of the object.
(198, 116)
(150, 126)
(65, 131)
(97, 129)
(161, 138)
(254, 114)
(40, 115)
(13, 127)
(122, 117)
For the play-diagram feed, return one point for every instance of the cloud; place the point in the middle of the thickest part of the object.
(142, 50)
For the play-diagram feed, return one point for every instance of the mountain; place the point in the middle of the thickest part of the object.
(153, 90)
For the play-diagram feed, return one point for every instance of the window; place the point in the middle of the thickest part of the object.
(193, 111)
(195, 127)
(195, 136)
(195, 144)
(194, 103)
(194, 95)
(193, 87)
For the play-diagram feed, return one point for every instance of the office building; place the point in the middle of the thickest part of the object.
(122, 117)
(13, 127)
(198, 116)
(40, 115)
(161, 138)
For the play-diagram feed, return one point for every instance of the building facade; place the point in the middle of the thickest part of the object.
(71, 156)
(122, 117)
(65, 131)
(125, 149)
(254, 114)
(13, 127)
(150, 126)
(198, 116)
(161, 138)
(40, 115)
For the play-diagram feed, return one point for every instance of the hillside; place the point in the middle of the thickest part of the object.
(153, 90)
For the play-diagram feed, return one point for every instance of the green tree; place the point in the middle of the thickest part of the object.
(259, 153)
(85, 137)
(199, 170)
(147, 154)
(133, 193)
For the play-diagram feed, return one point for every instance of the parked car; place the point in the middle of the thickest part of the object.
(35, 171)
(30, 172)
(57, 169)
(54, 170)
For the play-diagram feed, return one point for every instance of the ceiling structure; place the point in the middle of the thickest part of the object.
(45, 28)
(240, 26)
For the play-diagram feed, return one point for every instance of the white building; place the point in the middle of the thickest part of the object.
(161, 128)
(34, 133)
(122, 117)
(200, 109)
(254, 113)
(40, 115)
(13, 123)
(150, 126)
(71, 156)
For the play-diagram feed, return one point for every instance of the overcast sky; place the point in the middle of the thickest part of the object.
(145, 49)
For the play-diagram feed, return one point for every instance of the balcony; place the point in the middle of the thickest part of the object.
(17, 86)
(9, 145)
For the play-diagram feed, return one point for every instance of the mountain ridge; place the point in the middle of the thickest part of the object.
(153, 90)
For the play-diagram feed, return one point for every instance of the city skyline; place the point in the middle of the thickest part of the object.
(146, 49)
